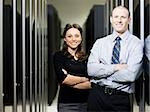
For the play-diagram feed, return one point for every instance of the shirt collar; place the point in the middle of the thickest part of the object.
(123, 37)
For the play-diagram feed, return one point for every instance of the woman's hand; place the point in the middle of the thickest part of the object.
(65, 72)
(73, 80)
(83, 85)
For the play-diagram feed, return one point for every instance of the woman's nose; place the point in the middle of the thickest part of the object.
(73, 38)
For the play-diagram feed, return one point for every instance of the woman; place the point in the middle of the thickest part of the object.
(71, 69)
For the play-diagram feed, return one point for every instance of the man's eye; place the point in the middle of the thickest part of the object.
(115, 16)
(124, 17)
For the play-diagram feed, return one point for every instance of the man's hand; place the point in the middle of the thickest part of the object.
(120, 66)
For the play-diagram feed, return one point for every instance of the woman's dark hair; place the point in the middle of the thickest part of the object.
(80, 54)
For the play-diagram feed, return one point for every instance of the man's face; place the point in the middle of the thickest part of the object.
(120, 19)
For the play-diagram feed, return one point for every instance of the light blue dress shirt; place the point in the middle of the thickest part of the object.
(147, 47)
(103, 72)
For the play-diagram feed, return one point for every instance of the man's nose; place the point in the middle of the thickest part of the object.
(119, 19)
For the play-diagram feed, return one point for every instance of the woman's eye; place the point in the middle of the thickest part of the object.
(76, 35)
(69, 36)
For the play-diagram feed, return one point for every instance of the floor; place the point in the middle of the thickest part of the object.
(53, 107)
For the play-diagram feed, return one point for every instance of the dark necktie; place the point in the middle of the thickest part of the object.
(116, 51)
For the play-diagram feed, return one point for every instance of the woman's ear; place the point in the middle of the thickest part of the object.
(65, 39)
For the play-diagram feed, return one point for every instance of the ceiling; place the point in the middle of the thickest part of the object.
(74, 11)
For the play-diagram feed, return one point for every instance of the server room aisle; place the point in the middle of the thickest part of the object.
(53, 106)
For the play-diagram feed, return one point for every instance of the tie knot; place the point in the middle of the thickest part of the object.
(118, 39)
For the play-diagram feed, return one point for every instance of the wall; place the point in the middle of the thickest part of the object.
(74, 11)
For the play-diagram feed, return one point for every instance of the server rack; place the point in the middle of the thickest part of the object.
(146, 61)
(142, 85)
(1, 56)
(24, 50)
(8, 55)
(95, 25)
(54, 34)
(147, 79)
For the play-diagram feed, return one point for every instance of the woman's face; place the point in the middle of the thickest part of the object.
(73, 38)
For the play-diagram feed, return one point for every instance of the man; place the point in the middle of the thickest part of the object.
(147, 47)
(114, 64)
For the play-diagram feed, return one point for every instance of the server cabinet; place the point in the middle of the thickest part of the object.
(147, 18)
(142, 84)
(54, 34)
(136, 31)
(8, 55)
(24, 50)
(95, 25)
(1, 56)
(147, 79)
(146, 61)
(19, 62)
(136, 19)
(27, 50)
